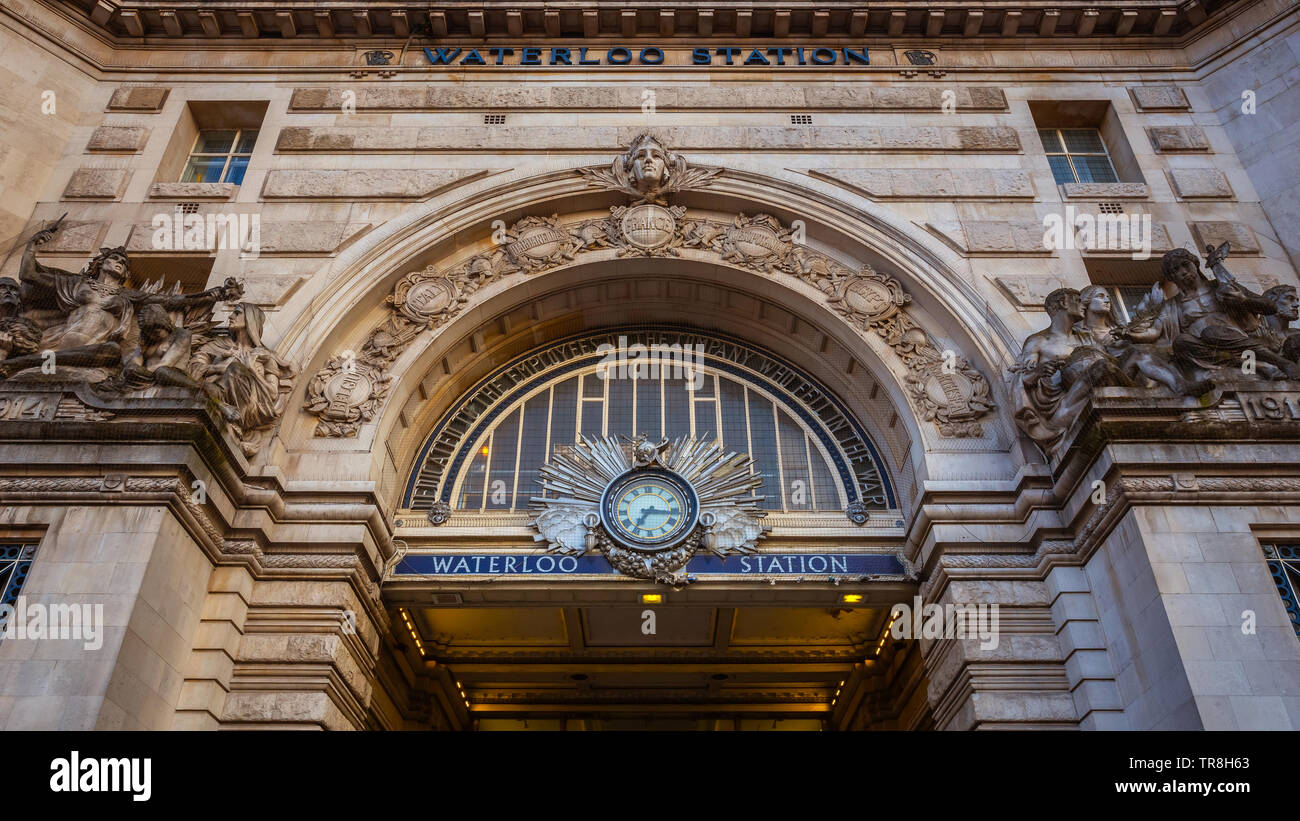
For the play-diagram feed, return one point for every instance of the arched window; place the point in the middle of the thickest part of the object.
(485, 455)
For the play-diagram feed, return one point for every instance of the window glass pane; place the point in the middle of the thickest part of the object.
(649, 414)
(703, 384)
(794, 464)
(471, 494)
(246, 140)
(734, 436)
(214, 142)
(762, 430)
(204, 169)
(677, 408)
(532, 449)
(1094, 169)
(824, 484)
(1083, 140)
(564, 414)
(235, 174)
(593, 418)
(593, 387)
(620, 406)
(706, 420)
(501, 473)
(1051, 142)
(1061, 170)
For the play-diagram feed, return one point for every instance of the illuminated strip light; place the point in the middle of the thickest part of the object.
(885, 634)
(406, 617)
(463, 697)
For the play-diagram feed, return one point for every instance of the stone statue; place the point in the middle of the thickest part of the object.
(1058, 369)
(249, 380)
(88, 319)
(1103, 329)
(1210, 331)
(1212, 324)
(125, 341)
(19, 336)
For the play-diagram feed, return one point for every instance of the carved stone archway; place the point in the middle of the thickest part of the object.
(870, 286)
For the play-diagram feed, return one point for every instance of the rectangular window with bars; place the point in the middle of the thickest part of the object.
(1126, 298)
(1077, 155)
(15, 562)
(220, 156)
(1283, 562)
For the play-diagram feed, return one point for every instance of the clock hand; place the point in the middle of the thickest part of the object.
(640, 521)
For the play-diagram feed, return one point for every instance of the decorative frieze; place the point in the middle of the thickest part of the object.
(1200, 183)
(1106, 190)
(942, 384)
(138, 98)
(932, 183)
(362, 139)
(533, 96)
(363, 183)
(192, 190)
(115, 138)
(1214, 233)
(1159, 98)
(96, 184)
(1177, 139)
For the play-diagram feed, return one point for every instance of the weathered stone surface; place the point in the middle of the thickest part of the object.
(1171, 139)
(1241, 236)
(1029, 237)
(96, 184)
(1107, 190)
(366, 183)
(603, 138)
(1116, 240)
(193, 190)
(76, 238)
(932, 183)
(1159, 98)
(764, 97)
(139, 98)
(1027, 293)
(1194, 183)
(118, 138)
(277, 237)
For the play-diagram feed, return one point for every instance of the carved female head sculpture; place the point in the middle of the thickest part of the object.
(112, 262)
(246, 322)
(1097, 303)
(647, 162)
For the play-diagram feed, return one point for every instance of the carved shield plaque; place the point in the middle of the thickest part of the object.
(648, 226)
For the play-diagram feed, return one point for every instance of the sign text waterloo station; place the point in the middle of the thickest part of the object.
(652, 56)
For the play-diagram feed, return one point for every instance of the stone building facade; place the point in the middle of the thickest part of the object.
(375, 255)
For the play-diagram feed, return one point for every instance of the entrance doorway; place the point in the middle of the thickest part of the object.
(736, 664)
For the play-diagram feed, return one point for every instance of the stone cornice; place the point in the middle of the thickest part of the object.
(643, 22)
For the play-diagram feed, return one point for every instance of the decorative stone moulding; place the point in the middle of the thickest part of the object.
(96, 184)
(192, 190)
(118, 139)
(1200, 183)
(1105, 190)
(1177, 139)
(942, 385)
(138, 98)
(1159, 98)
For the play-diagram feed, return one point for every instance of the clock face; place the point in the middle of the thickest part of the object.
(649, 509)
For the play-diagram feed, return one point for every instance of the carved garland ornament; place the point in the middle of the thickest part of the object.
(944, 387)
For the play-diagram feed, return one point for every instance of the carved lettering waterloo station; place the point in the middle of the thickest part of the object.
(652, 56)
